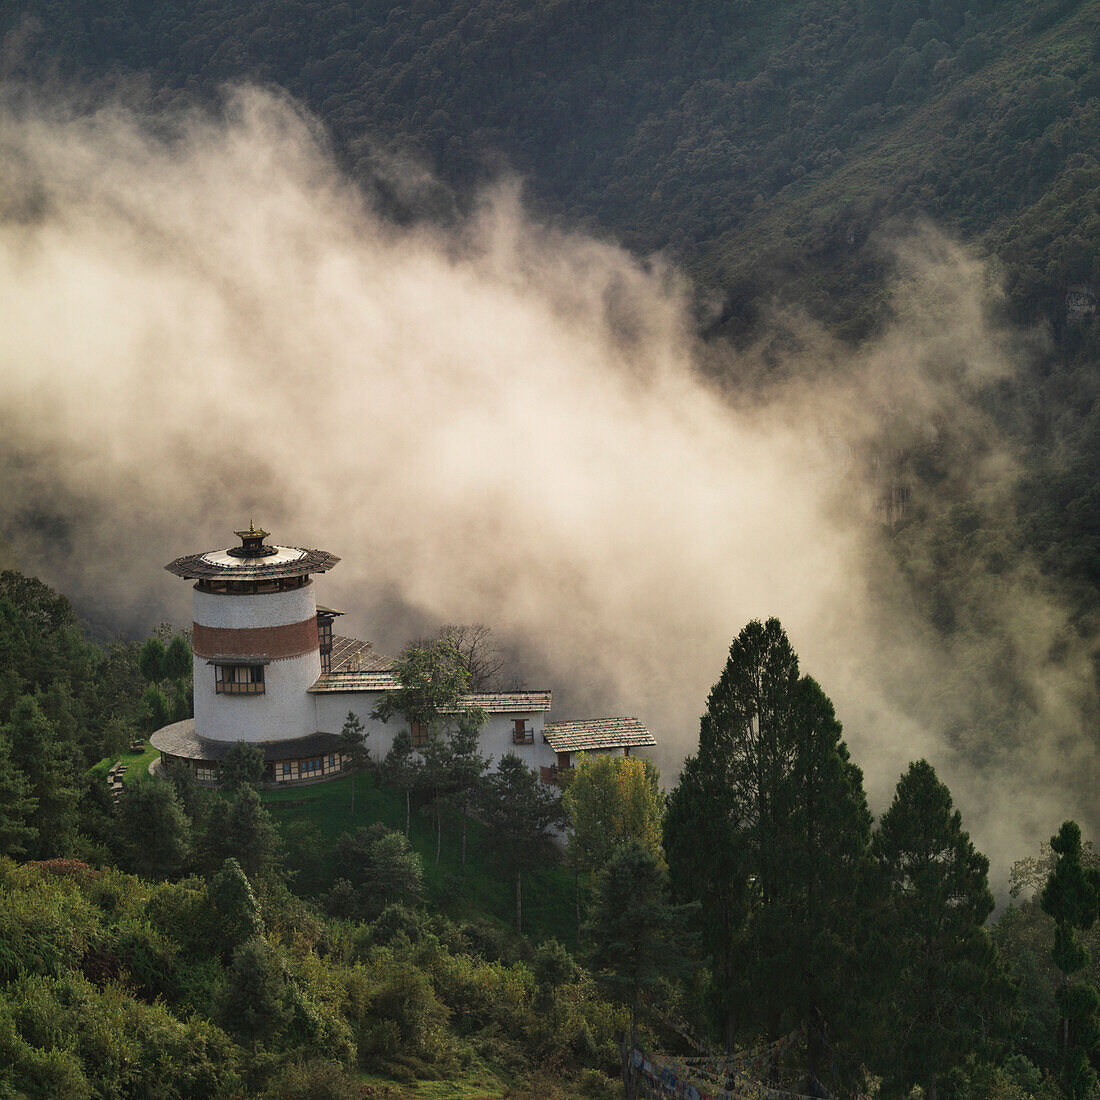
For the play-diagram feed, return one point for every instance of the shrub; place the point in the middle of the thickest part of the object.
(313, 1081)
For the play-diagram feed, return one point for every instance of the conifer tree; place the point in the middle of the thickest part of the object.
(521, 812)
(768, 830)
(250, 836)
(243, 766)
(151, 660)
(177, 662)
(401, 767)
(1071, 896)
(466, 769)
(233, 907)
(943, 991)
(636, 936)
(153, 829)
(252, 1002)
(17, 806)
(353, 749)
(36, 753)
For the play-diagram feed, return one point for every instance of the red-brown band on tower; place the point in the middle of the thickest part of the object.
(292, 640)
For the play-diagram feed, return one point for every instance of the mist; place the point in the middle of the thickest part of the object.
(205, 321)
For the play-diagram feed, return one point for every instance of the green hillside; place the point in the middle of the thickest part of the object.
(765, 147)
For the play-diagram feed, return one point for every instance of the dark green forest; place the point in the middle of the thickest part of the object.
(754, 923)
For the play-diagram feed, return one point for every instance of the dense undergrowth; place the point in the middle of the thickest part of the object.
(113, 986)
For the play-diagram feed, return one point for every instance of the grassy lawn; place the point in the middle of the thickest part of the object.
(479, 891)
(137, 765)
(472, 1086)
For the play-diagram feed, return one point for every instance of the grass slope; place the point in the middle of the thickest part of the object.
(137, 765)
(479, 890)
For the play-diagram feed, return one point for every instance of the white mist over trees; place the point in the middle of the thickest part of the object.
(507, 423)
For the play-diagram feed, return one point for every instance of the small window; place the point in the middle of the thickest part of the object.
(286, 769)
(239, 679)
(419, 733)
(522, 733)
(332, 761)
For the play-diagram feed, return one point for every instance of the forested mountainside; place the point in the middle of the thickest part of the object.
(767, 148)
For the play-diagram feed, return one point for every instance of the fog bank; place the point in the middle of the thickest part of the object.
(204, 322)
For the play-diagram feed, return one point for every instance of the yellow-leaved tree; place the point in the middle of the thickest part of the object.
(612, 800)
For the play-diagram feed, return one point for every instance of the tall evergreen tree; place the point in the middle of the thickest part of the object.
(250, 836)
(151, 660)
(354, 750)
(36, 753)
(1071, 896)
(466, 769)
(252, 1002)
(233, 907)
(636, 935)
(153, 829)
(243, 766)
(944, 991)
(401, 767)
(768, 830)
(520, 812)
(17, 806)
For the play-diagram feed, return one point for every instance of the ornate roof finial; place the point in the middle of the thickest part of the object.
(253, 540)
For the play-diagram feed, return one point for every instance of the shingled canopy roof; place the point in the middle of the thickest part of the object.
(196, 567)
(597, 733)
(180, 739)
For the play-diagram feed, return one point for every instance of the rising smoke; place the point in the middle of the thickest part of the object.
(204, 321)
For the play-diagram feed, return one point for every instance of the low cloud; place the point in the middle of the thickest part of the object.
(205, 321)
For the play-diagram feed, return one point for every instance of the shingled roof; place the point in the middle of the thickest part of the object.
(597, 733)
(350, 653)
(494, 702)
(354, 666)
(180, 739)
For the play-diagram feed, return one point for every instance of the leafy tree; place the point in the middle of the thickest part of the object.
(521, 813)
(36, 753)
(944, 992)
(353, 749)
(233, 907)
(636, 935)
(432, 680)
(612, 800)
(17, 806)
(1071, 896)
(154, 831)
(251, 1004)
(401, 768)
(243, 766)
(250, 836)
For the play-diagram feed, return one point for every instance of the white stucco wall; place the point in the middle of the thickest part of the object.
(284, 710)
(496, 735)
(244, 611)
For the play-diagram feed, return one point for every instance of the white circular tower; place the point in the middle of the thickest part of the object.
(257, 648)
